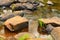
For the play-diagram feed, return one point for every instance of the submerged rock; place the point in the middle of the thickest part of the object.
(4, 17)
(6, 2)
(36, 39)
(16, 25)
(52, 20)
(35, 3)
(56, 33)
(22, 1)
(30, 6)
(23, 6)
(18, 6)
(49, 28)
(50, 2)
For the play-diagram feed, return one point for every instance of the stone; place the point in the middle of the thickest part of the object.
(24, 33)
(36, 39)
(41, 4)
(55, 20)
(20, 13)
(7, 15)
(50, 2)
(56, 33)
(4, 17)
(22, 1)
(18, 6)
(29, 6)
(6, 2)
(35, 3)
(49, 28)
(16, 23)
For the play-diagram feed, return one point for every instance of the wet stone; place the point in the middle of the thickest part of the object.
(16, 25)
(23, 1)
(18, 6)
(49, 28)
(6, 2)
(52, 20)
(36, 39)
(4, 17)
(56, 33)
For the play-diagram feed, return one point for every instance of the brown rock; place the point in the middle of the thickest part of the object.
(16, 23)
(51, 20)
(56, 33)
(23, 1)
(36, 39)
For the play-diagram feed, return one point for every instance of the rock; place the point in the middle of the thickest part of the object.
(5, 2)
(31, 1)
(49, 28)
(24, 33)
(23, 1)
(27, 11)
(24, 6)
(35, 3)
(18, 6)
(13, 25)
(55, 20)
(4, 17)
(36, 39)
(11, 38)
(50, 2)
(56, 33)
(29, 6)
(20, 13)
(41, 4)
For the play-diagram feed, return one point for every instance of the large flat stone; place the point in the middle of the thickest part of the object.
(16, 23)
(56, 33)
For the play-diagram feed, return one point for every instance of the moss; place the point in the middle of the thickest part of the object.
(24, 37)
(41, 24)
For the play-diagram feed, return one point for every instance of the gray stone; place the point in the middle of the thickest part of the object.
(18, 6)
(23, 1)
(49, 28)
(29, 6)
(4, 17)
(5, 2)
